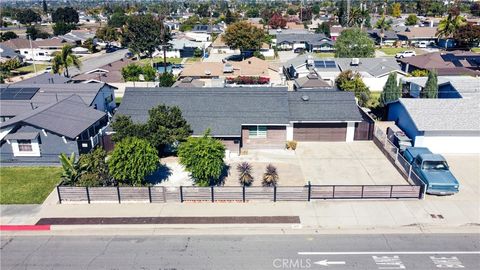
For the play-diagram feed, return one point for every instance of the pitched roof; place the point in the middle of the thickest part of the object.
(45, 78)
(293, 38)
(446, 63)
(188, 82)
(109, 73)
(7, 52)
(23, 43)
(252, 66)
(373, 66)
(449, 114)
(309, 105)
(223, 110)
(312, 80)
(69, 117)
(465, 85)
(419, 33)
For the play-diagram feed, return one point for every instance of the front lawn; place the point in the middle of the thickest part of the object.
(392, 51)
(194, 59)
(476, 50)
(325, 55)
(29, 68)
(172, 60)
(27, 185)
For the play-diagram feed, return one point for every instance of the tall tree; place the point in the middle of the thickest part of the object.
(203, 158)
(132, 160)
(354, 43)
(28, 16)
(383, 24)
(323, 28)
(65, 15)
(468, 36)
(449, 25)
(412, 19)
(277, 21)
(392, 91)
(64, 59)
(431, 86)
(352, 82)
(143, 34)
(244, 36)
(396, 10)
(107, 33)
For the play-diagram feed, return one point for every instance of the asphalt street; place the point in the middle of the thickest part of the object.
(366, 252)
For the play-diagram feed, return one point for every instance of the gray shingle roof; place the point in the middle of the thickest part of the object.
(452, 114)
(294, 38)
(373, 66)
(323, 106)
(224, 110)
(68, 117)
(463, 84)
(45, 78)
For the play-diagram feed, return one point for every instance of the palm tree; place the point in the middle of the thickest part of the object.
(270, 177)
(383, 24)
(64, 59)
(245, 173)
(449, 25)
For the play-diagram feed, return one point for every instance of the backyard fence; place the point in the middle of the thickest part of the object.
(154, 194)
(393, 154)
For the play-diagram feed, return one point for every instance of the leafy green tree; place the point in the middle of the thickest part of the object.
(396, 10)
(66, 15)
(132, 73)
(197, 52)
(449, 25)
(270, 177)
(245, 174)
(431, 86)
(166, 79)
(4, 36)
(143, 34)
(292, 11)
(64, 59)
(107, 33)
(203, 10)
(468, 35)
(88, 44)
(323, 28)
(253, 13)
(72, 169)
(392, 91)
(229, 17)
(95, 169)
(342, 13)
(354, 43)
(352, 82)
(28, 16)
(61, 28)
(316, 9)
(117, 20)
(244, 36)
(412, 19)
(258, 55)
(165, 126)
(33, 33)
(132, 160)
(203, 158)
(419, 73)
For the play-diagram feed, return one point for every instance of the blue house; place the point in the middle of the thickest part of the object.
(443, 125)
(448, 86)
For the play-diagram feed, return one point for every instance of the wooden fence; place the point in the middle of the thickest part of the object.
(154, 194)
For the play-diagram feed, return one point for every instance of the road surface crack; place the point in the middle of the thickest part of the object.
(6, 243)
(100, 254)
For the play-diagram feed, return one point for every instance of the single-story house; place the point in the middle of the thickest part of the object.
(7, 53)
(309, 42)
(41, 135)
(335, 31)
(311, 81)
(40, 49)
(388, 38)
(275, 32)
(184, 47)
(374, 71)
(414, 35)
(448, 86)
(188, 82)
(443, 125)
(16, 99)
(219, 46)
(455, 63)
(110, 73)
(45, 78)
(79, 36)
(256, 117)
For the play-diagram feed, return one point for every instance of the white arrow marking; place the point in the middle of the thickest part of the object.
(327, 263)
(389, 252)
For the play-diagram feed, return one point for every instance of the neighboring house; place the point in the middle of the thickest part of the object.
(45, 78)
(251, 67)
(184, 47)
(219, 46)
(110, 73)
(316, 21)
(454, 63)
(308, 42)
(79, 36)
(257, 117)
(275, 32)
(311, 81)
(40, 50)
(414, 35)
(188, 82)
(448, 86)
(7, 53)
(443, 125)
(203, 32)
(41, 135)
(374, 71)
(16, 99)
(388, 38)
(335, 31)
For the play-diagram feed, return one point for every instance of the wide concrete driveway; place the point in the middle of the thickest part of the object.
(341, 163)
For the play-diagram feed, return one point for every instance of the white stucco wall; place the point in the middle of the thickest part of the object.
(450, 144)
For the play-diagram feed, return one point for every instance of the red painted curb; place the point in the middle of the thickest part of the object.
(24, 227)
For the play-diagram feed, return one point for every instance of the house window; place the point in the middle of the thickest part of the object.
(25, 146)
(257, 132)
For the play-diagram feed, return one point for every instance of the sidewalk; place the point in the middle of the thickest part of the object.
(366, 216)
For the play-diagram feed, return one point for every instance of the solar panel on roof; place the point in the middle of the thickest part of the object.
(325, 64)
(14, 93)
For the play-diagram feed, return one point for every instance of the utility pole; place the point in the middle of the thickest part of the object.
(33, 55)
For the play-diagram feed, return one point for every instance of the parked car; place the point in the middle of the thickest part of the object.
(299, 50)
(422, 44)
(48, 69)
(433, 170)
(111, 49)
(405, 54)
(129, 55)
